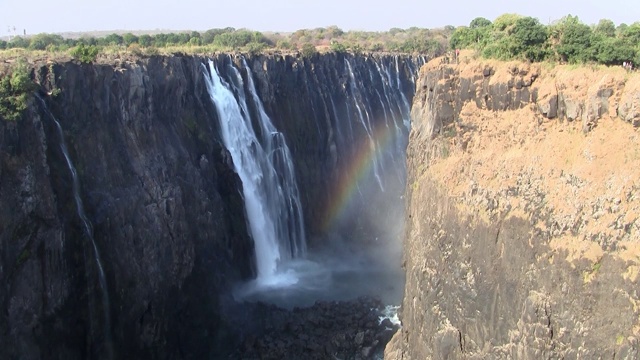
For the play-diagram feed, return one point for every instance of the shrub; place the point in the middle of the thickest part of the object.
(308, 50)
(135, 49)
(255, 48)
(86, 54)
(15, 90)
(338, 47)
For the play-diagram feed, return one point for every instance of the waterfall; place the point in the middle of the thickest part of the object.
(265, 167)
(365, 121)
(88, 232)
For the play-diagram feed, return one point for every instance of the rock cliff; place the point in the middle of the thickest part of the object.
(522, 231)
(144, 271)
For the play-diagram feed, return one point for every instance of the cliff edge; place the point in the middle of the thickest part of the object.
(522, 237)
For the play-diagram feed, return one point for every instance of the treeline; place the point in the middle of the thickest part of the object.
(567, 40)
(228, 37)
(413, 40)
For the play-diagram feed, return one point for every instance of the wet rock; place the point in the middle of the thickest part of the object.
(326, 329)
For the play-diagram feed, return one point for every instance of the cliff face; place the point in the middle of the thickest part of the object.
(522, 236)
(163, 215)
(162, 199)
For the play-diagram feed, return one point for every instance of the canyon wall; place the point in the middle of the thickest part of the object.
(522, 231)
(136, 258)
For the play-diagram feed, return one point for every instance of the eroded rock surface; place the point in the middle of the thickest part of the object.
(523, 238)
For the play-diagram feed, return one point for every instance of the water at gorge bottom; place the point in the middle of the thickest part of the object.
(334, 272)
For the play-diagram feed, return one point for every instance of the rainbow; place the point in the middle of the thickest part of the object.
(359, 166)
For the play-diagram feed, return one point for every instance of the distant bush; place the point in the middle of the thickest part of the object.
(135, 49)
(43, 41)
(86, 54)
(255, 48)
(15, 90)
(338, 47)
(308, 50)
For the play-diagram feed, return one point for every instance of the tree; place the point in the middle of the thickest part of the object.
(129, 39)
(612, 51)
(505, 22)
(605, 27)
(632, 33)
(479, 22)
(18, 42)
(145, 40)
(462, 37)
(334, 31)
(90, 40)
(41, 41)
(529, 37)
(621, 29)
(113, 39)
(573, 40)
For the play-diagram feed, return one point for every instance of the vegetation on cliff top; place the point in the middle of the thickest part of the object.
(509, 36)
(567, 40)
(15, 88)
(413, 40)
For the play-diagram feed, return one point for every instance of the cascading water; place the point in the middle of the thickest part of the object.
(107, 351)
(367, 119)
(264, 165)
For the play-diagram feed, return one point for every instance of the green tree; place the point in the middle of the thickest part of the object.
(505, 22)
(90, 40)
(632, 33)
(334, 32)
(529, 38)
(145, 40)
(462, 37)
(18, 42)
(129, 38)
(605, 27)
(113, 39)
(41, 41)
(621, 29)
(479, 22)
(573, 40)
(612, 51)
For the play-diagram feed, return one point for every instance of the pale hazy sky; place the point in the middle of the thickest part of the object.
(276, 15)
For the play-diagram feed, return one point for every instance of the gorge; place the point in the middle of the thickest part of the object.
(136, 195)
(140, 197)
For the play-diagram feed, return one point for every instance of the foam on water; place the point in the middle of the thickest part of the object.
(390, 312)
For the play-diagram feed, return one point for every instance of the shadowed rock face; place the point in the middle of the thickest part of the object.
(160, 192)
(522, 234)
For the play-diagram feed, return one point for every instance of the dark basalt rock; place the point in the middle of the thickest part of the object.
(161, 194)
(326, 330)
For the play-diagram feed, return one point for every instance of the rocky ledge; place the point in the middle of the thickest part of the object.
(327, 330)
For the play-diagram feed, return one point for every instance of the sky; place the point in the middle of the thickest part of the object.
(54, 16)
